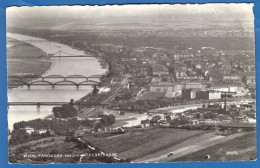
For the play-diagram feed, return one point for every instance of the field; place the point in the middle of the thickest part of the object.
(155, 144)
(139, 142)
(240, 148)
(146, 145)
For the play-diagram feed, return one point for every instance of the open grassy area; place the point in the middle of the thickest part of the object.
(140, 142)
(146, 145)
(240, 148)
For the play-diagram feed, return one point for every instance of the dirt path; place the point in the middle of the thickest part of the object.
(187, 147)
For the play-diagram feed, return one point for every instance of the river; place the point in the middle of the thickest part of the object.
(86, 66)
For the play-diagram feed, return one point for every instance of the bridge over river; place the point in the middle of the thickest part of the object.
(52, 80)
(70, 76)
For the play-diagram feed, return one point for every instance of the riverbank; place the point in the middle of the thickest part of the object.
(23, 58)
(86, 66)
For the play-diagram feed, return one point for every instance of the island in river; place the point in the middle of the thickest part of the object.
(23, 58)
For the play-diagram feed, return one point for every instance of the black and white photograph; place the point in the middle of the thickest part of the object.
(135, 83)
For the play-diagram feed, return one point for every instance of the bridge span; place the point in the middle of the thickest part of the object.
(71, 80)
(61, 54)
(16, 83)
(54, 76)
(39, 104)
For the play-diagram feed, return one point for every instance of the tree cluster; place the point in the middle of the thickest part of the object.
(144, 105)
(179, 121)
(66, 111)
(20, 136)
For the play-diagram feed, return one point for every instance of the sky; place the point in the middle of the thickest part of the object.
(222, 11)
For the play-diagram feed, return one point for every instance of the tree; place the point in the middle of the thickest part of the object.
(66, 111)
(95, 90)
(19, 136)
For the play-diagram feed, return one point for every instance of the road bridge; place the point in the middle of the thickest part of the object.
(27, 77)
(37, 104)
(16, 83)
(61, 54)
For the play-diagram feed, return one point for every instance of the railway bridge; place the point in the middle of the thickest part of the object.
(27, 77)
(24, 80)
(62, 54)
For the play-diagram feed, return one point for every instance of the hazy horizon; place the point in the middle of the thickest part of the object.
(236, 11)
(237, 14)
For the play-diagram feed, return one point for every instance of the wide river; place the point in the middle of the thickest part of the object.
(86, 66)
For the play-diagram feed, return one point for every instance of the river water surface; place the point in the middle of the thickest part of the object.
(86, 66)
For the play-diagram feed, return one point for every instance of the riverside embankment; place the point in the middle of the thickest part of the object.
(86, 66)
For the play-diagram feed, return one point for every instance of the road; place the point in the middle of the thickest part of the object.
(184, 107)
(187, 147)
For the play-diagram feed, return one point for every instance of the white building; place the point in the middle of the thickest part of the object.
(29, 130)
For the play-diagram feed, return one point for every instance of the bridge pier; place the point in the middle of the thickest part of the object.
(38, 106)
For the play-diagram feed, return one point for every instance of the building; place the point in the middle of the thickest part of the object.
(162, 84)
(250, 81)
(159, 70)
(223, 88)
(29, 130)
(205, 71)
(182, 55)
(198, 94)
(41, 131)
(188, 94)
(232, 77)
(226, 66)
(209, 95)
(179, 70)
(228, 87)
(195, 85)
(163, 87)
(197, 65)
(145, 123)
(215, 76)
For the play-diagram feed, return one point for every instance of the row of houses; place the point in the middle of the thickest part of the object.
(31, 130)
(175, 88)
(198, 94)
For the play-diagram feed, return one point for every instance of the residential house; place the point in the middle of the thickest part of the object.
(29, 130)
